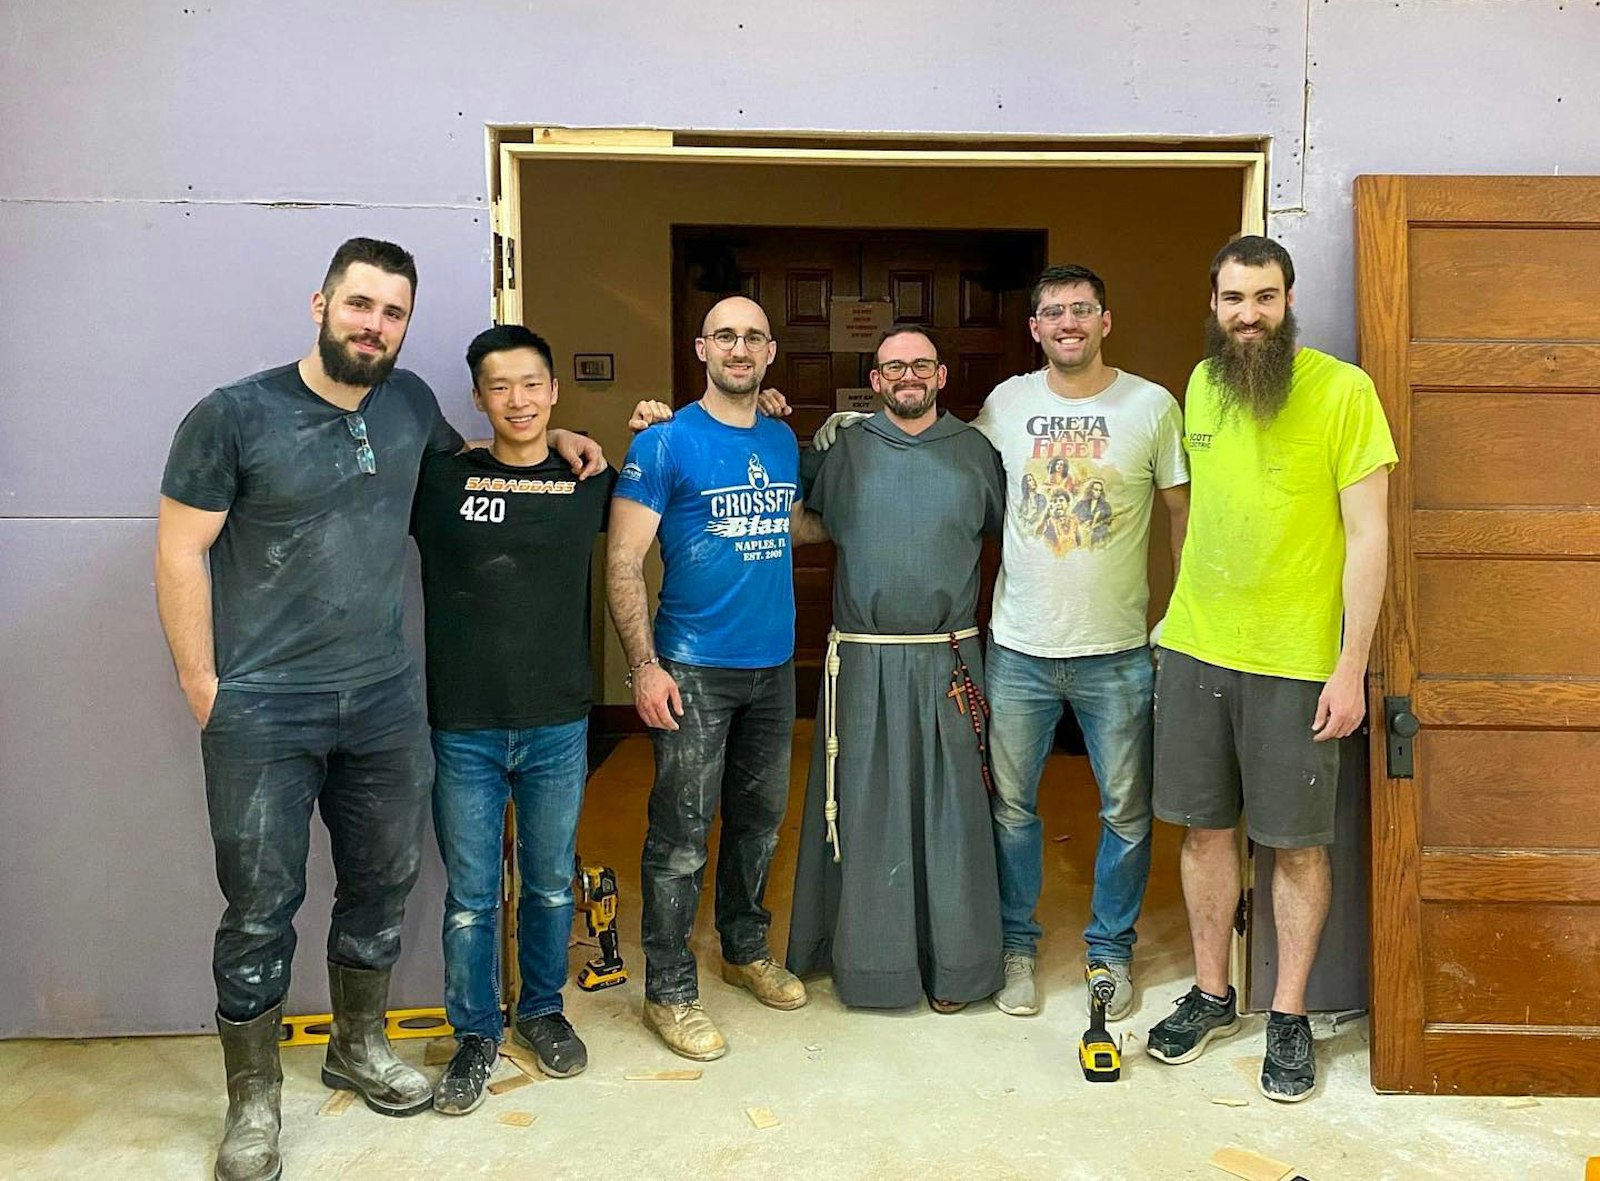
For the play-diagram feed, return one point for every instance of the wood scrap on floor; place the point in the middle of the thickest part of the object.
(1520, 1101)
(439, 1052)
(509, 1083)
(1252, 1166)
(762, 1117)
(663, 1076)
(1225, 1101)
(516, 1119)
(337, 1103)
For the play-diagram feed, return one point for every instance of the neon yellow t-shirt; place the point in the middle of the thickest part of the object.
(1260, 589)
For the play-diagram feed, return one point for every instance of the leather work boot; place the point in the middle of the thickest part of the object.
(359, 1056)
(774, 986)
(249, 1149)
(686, 1029)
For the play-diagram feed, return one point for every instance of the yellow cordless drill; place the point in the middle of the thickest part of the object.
(1097, 1053)
(597, 894)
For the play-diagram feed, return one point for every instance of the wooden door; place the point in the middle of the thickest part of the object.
(969, 286)
(1480, 322)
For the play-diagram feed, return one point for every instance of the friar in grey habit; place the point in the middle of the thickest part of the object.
(895, 891)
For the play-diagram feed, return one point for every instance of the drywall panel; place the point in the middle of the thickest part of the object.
(105, 856)
(310, 101)
(118, 317)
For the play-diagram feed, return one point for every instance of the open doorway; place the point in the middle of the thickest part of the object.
(587, 223)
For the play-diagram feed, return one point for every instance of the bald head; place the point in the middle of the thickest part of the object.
(736, 344)
(735, 312)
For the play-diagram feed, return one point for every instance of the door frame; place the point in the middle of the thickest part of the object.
(508, 146)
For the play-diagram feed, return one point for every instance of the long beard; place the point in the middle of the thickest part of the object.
(347, 368)
(1252, 377)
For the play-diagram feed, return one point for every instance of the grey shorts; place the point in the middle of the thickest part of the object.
(1227, 741)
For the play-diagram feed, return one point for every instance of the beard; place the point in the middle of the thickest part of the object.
(736, 387)
(348, 368)
(1252, 377)
(910, 407)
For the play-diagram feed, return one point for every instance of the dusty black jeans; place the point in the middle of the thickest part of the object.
(732, 748)
(362, 758)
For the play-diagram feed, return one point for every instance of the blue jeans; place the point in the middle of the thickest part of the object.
(542, 770)
(1112, 697)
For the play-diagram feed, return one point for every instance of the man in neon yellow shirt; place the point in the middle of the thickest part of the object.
(1265, 643)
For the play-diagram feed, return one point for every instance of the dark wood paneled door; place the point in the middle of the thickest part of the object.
(1479, 318)
(969, 286)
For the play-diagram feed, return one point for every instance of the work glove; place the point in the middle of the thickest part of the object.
(823, 439)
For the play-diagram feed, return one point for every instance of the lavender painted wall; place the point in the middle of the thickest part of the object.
(173, 178)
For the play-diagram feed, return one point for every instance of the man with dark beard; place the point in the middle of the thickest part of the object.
(279, 574)
(895, 889)
(1265, 643)
(714, 677)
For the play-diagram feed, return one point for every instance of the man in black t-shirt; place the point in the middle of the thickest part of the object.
(506, 537)
(279, 577)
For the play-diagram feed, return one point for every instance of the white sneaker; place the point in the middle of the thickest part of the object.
(1017, 995)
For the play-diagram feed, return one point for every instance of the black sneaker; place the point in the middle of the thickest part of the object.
(555, 1043)
(1289, 1071)
(1183, 1036)
(460, 1090)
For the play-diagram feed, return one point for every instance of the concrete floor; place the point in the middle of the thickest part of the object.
(858, 1095)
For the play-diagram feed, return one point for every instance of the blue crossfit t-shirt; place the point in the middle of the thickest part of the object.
(724, 495)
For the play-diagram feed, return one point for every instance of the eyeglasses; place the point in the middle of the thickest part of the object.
(726, 338)
(366, 458)
(1056, 312)
(895, 370)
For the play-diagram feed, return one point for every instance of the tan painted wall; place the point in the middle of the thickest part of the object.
(596, 263)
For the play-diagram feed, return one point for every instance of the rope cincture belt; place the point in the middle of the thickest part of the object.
(962, 686)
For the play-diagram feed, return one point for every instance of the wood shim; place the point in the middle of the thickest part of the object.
(1521, 1101)
(518, 1054)
(510, 1083)
(1223, 1101)
(663, 1076)
(1252, 1166)
(762, 1117)
(516, 1119)
(440, 1050)
(337, 1103)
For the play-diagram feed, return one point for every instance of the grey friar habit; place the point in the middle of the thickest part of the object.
(913, 908)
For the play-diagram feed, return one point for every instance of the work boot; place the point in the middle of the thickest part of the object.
(249, 1149)
(1121, 1003)
(686, 1029)
(774, 986)
(1018, 996)
(359, 1056)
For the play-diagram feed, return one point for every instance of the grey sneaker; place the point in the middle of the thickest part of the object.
(1017, 995)
(1121, 1000)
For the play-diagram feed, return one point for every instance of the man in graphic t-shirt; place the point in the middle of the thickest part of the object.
(506, 535)
(714, 680)
(1069, 614)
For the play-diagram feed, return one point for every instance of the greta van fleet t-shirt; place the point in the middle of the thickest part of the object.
(1080, 477)
(505, 582)
(724, 494)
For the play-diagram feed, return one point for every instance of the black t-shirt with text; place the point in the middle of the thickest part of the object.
(505, 582)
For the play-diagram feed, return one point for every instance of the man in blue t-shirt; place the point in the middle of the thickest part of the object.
(715, 682)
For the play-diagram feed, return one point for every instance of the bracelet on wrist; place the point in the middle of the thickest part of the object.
(637, 667)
